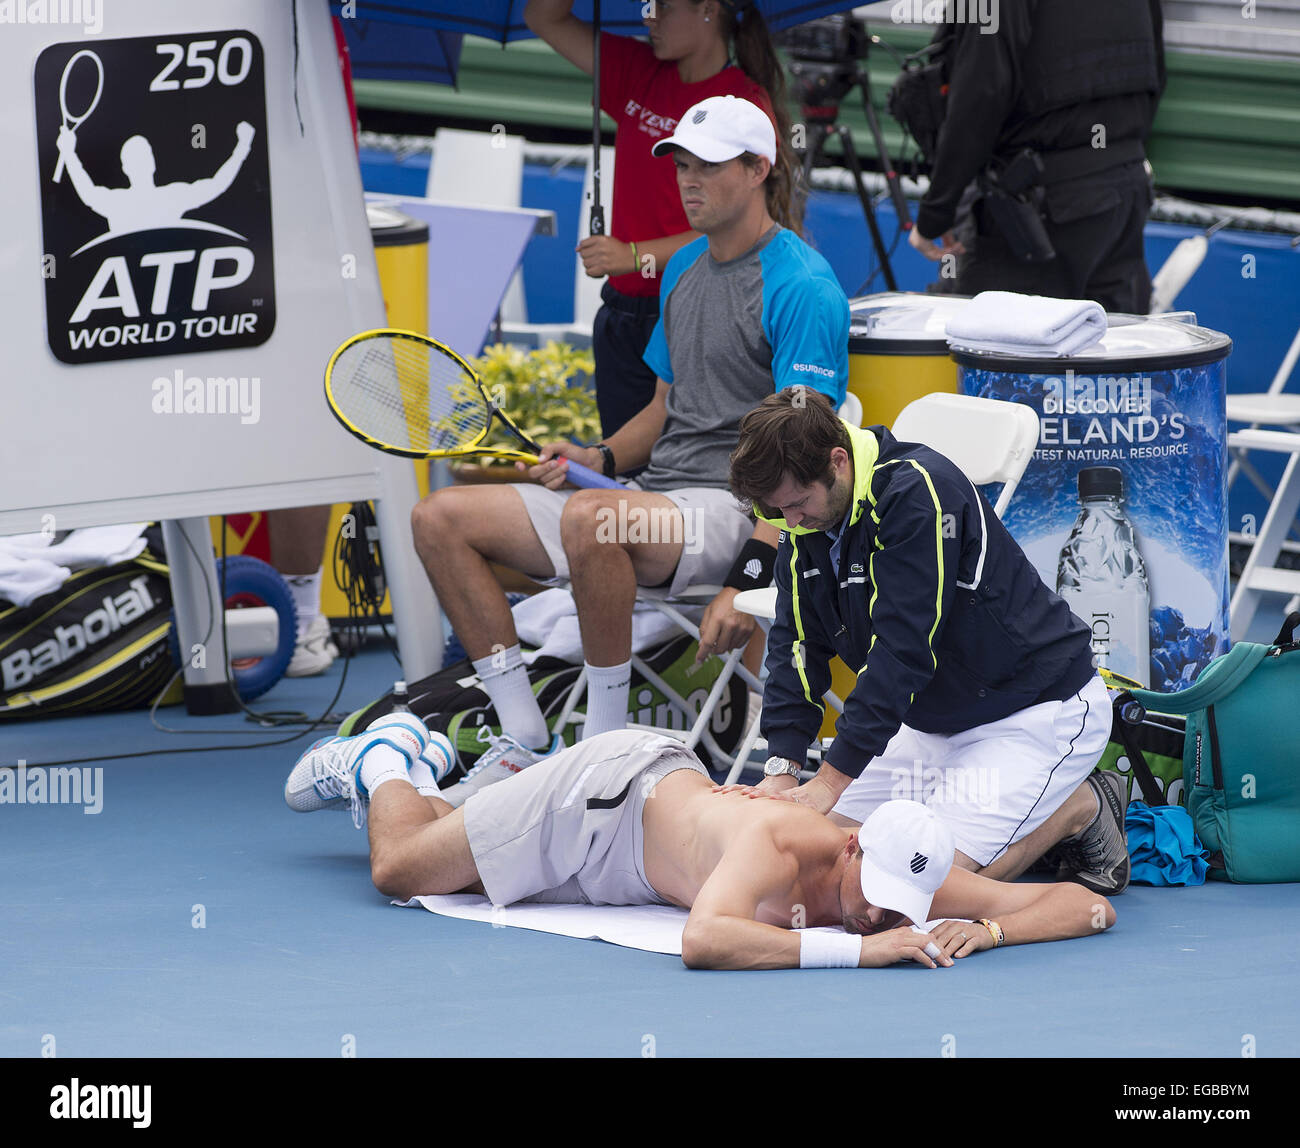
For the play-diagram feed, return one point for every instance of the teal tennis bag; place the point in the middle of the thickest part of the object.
(1241, 758)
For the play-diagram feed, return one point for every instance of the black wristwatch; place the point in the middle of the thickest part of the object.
(608, 456)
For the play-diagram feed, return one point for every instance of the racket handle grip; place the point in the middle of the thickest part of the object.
(581, 475)
(58, 169)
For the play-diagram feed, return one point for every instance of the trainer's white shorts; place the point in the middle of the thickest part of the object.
(996, 783)
(712, 529)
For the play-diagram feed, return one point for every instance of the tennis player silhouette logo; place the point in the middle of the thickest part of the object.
(142, 205)
(155, 184)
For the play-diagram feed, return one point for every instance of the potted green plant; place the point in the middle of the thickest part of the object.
(545, 391)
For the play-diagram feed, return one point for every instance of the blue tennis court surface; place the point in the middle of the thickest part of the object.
(195, 916)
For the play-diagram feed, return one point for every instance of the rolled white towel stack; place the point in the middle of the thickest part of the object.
(1003, 322)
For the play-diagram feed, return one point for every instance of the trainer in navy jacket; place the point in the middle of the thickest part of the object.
(934, 604)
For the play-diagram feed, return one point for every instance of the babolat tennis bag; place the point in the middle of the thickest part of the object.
(1241, 758)
(452, 701)
(98, 642)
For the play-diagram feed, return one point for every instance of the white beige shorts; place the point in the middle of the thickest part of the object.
(996, 783)
(568, 829)
(712, 528)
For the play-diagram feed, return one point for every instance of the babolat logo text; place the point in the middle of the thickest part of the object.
(77, 1101)
(53, 785)
(20, 667)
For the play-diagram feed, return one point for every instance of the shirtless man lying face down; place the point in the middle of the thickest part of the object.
(629, 818)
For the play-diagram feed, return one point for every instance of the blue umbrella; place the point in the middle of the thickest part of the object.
(503, 20)
(391, 46)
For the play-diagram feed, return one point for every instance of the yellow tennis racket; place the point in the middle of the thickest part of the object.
(407, 394)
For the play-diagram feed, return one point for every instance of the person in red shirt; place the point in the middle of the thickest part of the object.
(645, 88)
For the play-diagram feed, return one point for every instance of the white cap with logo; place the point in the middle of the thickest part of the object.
(907, 852)
(721, 128)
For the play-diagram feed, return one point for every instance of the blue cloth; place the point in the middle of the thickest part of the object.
(1163, 847)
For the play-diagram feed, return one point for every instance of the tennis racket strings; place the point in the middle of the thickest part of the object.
(408, 395)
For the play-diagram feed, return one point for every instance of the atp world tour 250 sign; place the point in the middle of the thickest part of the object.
(155, 195)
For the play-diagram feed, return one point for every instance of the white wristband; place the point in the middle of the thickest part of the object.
(818, 950)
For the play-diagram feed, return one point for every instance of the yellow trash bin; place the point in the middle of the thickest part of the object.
(898, 352)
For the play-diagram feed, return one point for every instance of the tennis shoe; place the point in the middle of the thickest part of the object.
(504, 758)
(1097, 857)
(326, 776)
(439, 755)
(314, 652)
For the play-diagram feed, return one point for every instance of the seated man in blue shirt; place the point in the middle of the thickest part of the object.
(747, 309)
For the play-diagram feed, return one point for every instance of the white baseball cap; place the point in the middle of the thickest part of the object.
(721, 128)
(906, 855)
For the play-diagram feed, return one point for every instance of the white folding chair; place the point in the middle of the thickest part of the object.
(1272, 408)
(486, 170)
(989, 440)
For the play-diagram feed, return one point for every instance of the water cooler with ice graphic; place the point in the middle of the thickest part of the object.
(1123, 509)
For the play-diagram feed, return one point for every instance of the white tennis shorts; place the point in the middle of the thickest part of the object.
(996, 783)
(712, 528)
(568, 829)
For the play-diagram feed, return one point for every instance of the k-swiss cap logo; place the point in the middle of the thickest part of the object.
(699, 117)
(918, 863)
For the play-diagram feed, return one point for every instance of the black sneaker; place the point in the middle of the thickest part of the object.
(1097, 857)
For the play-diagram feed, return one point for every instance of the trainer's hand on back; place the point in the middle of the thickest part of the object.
(552, 471)
(814, 793)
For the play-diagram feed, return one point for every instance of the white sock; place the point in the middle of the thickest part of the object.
(607, 688)
(381, 763)
(505, 679)
(305, 589)
(421, 776)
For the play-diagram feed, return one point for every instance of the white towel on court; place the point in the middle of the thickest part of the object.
(1004, 322)
(652, 928)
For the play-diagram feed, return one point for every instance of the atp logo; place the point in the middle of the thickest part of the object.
(155, 196)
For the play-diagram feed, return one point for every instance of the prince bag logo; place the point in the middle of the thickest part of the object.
(155, 196)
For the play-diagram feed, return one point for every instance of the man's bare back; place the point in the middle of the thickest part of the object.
(689, 829)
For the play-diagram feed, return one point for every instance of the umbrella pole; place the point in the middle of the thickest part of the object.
(597, 226)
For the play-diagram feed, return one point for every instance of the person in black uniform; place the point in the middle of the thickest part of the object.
(1076, 85)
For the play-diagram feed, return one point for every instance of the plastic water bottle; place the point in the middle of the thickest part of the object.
(400, 699)
(1102, 576)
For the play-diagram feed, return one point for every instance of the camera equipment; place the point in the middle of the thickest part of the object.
(918, 98)
(825, 65)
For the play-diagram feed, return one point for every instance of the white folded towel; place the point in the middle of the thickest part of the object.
(1006, 323)
(549, 621)
(34, 564)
